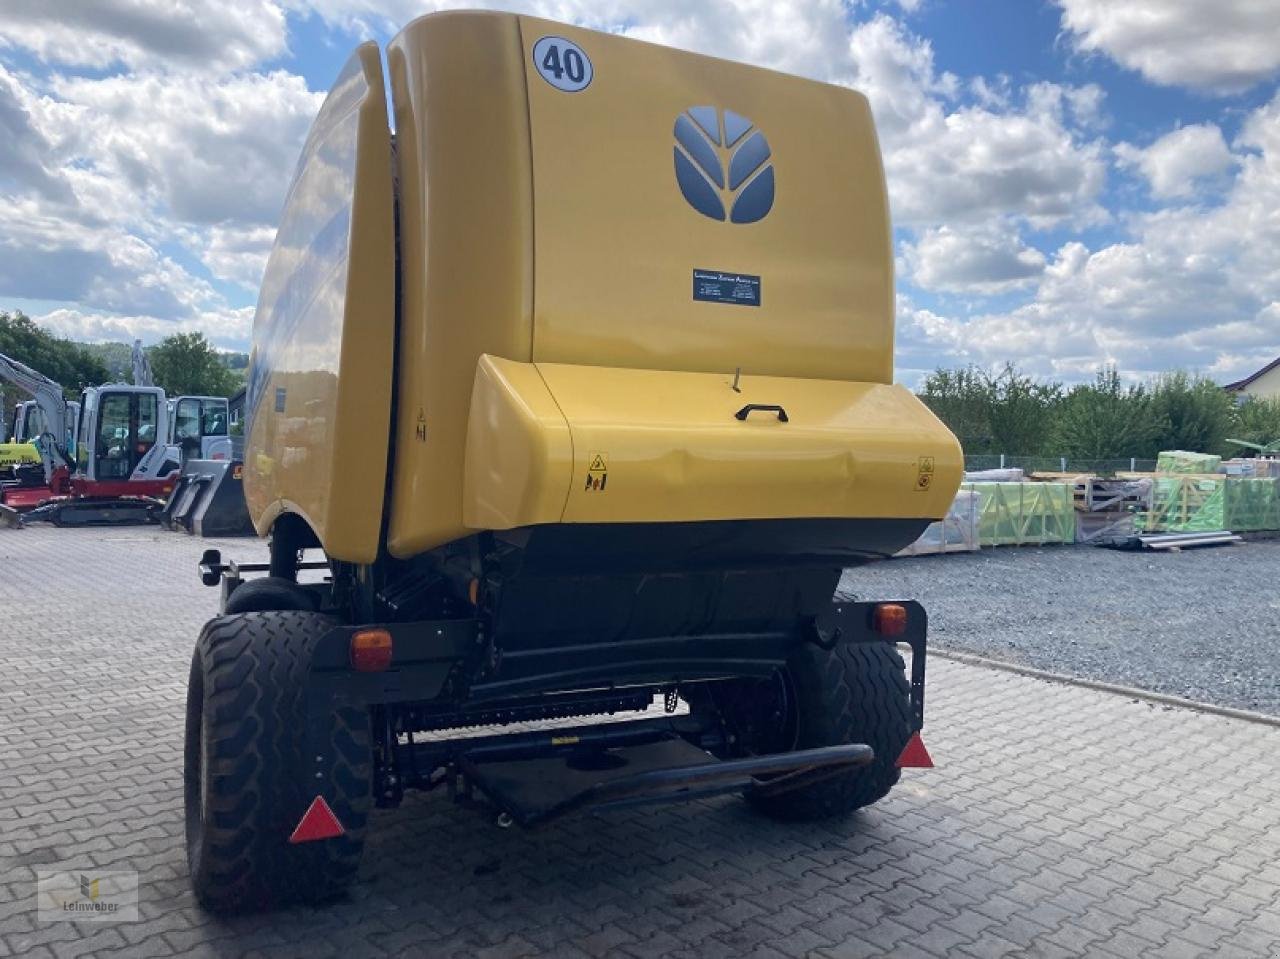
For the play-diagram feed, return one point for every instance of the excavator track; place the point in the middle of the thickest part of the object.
(97, 512)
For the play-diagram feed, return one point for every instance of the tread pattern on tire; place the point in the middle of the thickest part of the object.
(247, 700)
(855, 693)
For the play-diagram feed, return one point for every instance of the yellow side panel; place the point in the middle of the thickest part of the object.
(673, 449)
(650, 446)
(15, 454)
(617, 242)
(519, 451)
(462, 138)
(319, 399)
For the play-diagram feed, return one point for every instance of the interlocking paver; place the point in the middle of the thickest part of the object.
(1060, 821)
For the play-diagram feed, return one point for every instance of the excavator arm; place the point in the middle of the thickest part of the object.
(49, 398)
(142, 375)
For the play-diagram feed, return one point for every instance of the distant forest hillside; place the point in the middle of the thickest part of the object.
(118, 359)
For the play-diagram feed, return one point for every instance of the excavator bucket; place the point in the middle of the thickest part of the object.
(208, 500)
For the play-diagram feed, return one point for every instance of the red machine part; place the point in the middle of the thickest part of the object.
(915, 755)
(318, 822)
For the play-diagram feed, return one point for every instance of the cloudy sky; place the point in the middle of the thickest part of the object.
(1073, 182)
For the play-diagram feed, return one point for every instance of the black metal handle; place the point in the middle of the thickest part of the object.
(750, 408)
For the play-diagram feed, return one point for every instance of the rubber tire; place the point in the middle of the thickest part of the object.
(269, 593)
(245, 706)
(856, 693)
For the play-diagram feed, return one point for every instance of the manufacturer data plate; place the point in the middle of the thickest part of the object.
(719, 286)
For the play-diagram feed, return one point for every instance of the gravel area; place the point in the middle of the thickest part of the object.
(1201, 623)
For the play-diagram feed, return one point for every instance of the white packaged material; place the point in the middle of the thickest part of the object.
(1013, 474)
(1104, 528)
(958, 533)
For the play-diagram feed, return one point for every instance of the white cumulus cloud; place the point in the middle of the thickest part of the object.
(1222, 47)
(192, 34)
(201, 151)
(969, 163)
(1174, 163)
(991, 258)
(1195, 286)
(224, 328)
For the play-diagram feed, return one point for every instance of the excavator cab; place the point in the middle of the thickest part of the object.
(200, 427)
(122, 435)
(28, 421)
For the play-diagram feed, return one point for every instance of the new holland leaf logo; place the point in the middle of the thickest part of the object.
(722, 165)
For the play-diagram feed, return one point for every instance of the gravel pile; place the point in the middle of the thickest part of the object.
(1201, 623)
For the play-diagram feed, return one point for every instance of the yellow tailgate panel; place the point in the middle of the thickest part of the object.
(617, 242)
(654, 446)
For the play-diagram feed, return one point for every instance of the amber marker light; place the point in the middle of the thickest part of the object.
(371, 650)
(889, 619)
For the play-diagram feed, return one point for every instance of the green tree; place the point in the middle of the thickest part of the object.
(959, 399)
(1196, 412)
(1107, 420)
(1006, 412)
(61, 360)
(1257, 421)
(116, 357)
(186, 363)
(1019, 411)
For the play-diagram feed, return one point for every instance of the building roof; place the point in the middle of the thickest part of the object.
(1241, 384)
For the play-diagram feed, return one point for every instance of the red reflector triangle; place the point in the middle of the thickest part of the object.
(914, 755)
(318, 822)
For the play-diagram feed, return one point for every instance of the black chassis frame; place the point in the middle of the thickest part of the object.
(442, 676)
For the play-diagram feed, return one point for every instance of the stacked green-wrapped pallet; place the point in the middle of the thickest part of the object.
(1017, 514)
(1180, 461)
(1250, 504)
(1185, 504)
(1201, 504)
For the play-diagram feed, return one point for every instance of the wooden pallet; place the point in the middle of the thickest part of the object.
(1095, 495)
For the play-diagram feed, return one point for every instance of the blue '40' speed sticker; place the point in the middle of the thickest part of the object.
(562, 63)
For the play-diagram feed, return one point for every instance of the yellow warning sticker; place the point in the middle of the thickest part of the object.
(597, 472)
(924, 473)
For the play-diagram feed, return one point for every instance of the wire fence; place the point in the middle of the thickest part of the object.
(1058, 464)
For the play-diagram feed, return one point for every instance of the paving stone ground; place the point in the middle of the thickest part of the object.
(1059, 822)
